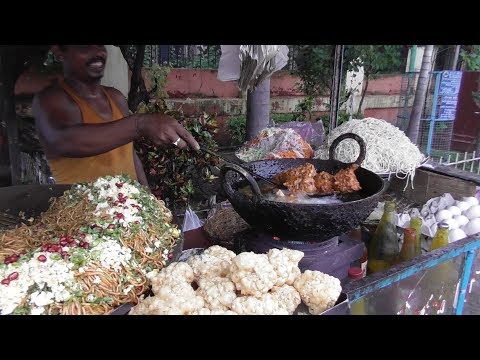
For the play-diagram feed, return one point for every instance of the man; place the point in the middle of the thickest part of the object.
(86, 129)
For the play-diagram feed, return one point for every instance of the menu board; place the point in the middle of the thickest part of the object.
(449, 90)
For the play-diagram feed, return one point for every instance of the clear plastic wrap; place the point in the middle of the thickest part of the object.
(275, 143)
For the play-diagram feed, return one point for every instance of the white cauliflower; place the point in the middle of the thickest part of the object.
(173, 273)
(205, 265)
(180, 296)
(285, 262)
(207, 311)
(155, 306)
(287, 297)
(220, 252)
(318, 291)
(250, 305)
(252, 274)
(217, 292)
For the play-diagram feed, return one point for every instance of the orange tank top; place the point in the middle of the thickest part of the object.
(115, 162)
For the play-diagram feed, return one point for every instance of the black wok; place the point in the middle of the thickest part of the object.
(310, 222)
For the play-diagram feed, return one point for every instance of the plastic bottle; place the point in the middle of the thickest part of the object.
(408, 250)
(357, 307)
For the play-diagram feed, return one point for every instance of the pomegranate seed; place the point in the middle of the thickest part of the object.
(45, 247)
(81, 236)
(119, 185)
(64, 254)
(105, 217)
(13, 276)
(111, 226)
(170, 256)
(119, 216)
(63, 238)
(120, 195)
(93, 226)
(11, 259)
(81, 243)
(42, 258)
(85, 245)
(122, 200)
(55, 248)
(137, 222)
(5, 282)
(63, 242)
(115, 203)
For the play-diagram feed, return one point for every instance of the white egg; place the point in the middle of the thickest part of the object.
(473, 227)
(473, 212)
(461, 220)
(462, 205)
(443, 215)
(472, 200)
(456, 234)
(452, 224)
(454, 210)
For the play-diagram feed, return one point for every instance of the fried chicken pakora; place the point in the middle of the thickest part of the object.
(305, 179)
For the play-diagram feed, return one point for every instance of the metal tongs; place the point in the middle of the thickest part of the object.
(213, 153)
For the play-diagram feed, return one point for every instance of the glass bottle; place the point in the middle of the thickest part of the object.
(441, 237)
(408, 250)
(383, 250)
(416, 223)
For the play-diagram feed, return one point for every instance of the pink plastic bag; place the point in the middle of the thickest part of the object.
(193, 233)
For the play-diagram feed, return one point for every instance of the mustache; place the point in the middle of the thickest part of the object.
(96, 59)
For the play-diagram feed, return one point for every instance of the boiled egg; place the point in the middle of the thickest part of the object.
(443, 215)
(473, 227)
(462, 205)
(472, 200)
(473, 212)
(456, 234)
(461, 220)
(454, 210)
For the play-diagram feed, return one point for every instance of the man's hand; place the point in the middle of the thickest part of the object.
(162, 129)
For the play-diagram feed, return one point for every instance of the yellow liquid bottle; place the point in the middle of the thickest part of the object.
(441, 237)
(383, 250)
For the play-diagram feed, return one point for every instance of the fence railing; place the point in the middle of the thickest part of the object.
(467, 161)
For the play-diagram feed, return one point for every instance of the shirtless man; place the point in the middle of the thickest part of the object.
(86, 129)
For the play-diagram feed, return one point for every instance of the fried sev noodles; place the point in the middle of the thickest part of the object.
(109, 247)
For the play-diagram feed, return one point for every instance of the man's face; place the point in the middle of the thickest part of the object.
(85, 62)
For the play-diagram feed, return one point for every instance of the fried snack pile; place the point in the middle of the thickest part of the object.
(305, 179)
(218, 282)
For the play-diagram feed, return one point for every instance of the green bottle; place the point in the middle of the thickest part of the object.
(383, 250)
(416, 223)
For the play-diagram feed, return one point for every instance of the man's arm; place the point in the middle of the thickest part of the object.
(61, 129)
(141, 176)
(121, 101)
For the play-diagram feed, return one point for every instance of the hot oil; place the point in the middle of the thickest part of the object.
(272, 194)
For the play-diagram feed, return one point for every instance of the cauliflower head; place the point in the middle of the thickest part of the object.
(153, 305)
(318, 291)
(205, 265)
(285, 262)
(207, 311)
(287, 297)
(220, 252)
(173, 273)
(218, 292)
(252, 274)
(251, 305)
